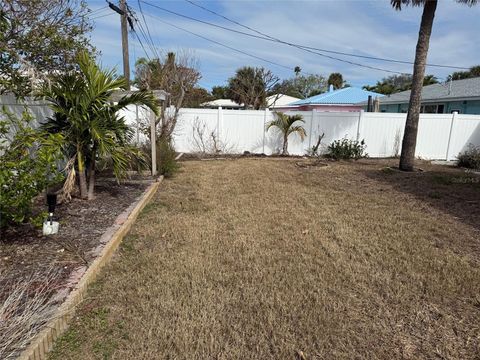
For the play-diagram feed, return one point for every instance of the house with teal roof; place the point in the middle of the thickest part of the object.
(346, 99)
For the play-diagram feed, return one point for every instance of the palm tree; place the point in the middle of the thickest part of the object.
(284, 123)
(89, 120)
(336, 79)
(411, 126)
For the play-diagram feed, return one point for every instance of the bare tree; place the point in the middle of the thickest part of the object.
(177, 74)
(206, 140)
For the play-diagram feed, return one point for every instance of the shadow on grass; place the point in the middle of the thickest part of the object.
(450, 190)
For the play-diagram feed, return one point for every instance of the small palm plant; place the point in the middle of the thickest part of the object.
(89, 121)
(285, 124)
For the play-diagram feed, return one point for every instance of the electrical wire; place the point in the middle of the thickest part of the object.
(148, 30)
(318, 49)
(99, 10)
(268, 39)
(220, 44)
(101, 16)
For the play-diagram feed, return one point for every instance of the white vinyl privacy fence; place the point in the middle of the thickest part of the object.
(440, 136)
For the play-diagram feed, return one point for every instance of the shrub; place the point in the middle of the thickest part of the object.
(166, 163)
(345, 149)
(29, 164)
(470, 158)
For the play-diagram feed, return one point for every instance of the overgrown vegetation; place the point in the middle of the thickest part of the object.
(166, 163)
(470, 158)
(28, 160)
(345, 149)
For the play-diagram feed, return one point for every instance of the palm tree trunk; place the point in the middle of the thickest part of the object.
(285, 145)
(91, 176)
(409, 142)
(82, 178)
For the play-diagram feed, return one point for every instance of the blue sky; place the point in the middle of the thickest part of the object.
(365, 27)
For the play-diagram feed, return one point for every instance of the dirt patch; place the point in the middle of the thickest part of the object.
(25, 251)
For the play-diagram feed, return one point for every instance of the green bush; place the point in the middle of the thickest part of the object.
(345, 149)
(29, 164)
(470, 158)
(166, 163)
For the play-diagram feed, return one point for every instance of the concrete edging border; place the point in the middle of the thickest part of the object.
(43, 341)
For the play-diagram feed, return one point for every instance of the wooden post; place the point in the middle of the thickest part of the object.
(123, 23)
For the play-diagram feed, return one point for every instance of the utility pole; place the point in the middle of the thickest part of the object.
(123, 21)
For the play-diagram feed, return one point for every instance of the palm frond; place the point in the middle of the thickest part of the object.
(142, 97)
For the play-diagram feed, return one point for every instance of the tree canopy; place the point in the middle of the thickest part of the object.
(474, 71)
(301, 86)
(250, 86)
(219, 92)
(396, 83)
(38, 37)
(336, 79)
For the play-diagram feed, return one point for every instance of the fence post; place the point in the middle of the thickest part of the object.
(360, 116)
(219, 120)
(265, 115)
(153, 136)
(454, 114)
(311, 128)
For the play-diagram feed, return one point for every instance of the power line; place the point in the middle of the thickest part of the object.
(318, 49)
(141, 44)
(268, 39)
(220, 44)
(99, 10)
(146, 25)
(101, 16)
(148, 40)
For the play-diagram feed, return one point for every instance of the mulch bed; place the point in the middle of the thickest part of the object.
(24, 251)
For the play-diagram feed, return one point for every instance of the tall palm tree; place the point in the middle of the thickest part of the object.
(411, 126)
(89, 120)
(284, 123)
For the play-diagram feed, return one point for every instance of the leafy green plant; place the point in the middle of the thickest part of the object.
(285, 124)
(345, 149)
(470, 158)
(166, 163)
(29, 164)
(89, 120)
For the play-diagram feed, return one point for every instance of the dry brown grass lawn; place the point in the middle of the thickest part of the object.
(261, 259)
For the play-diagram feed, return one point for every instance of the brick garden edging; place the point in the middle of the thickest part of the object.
(109, 242)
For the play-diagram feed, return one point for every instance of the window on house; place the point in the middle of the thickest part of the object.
(430, 109)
